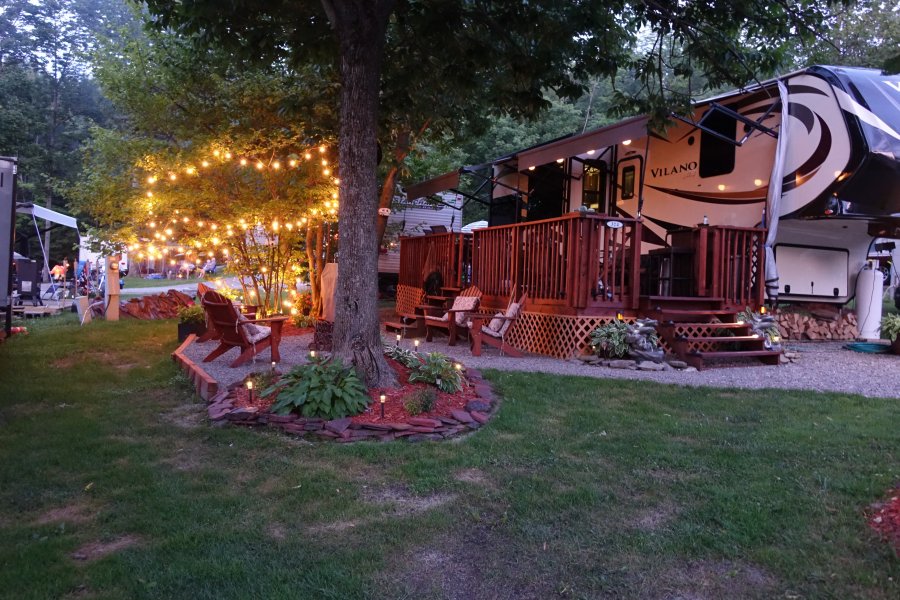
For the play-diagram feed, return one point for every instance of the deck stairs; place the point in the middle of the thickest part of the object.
(707, 334)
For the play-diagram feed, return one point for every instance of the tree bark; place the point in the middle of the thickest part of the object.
(361, 28)
(405, 143)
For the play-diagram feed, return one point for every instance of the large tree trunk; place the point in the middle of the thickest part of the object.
(360, 28)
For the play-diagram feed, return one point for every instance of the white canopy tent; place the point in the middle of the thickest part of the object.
(39, 212)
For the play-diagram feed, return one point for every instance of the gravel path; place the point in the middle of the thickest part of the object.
(822, 366)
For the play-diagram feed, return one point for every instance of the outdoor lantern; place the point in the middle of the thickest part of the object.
(250, 389)
(416, 343)
(273, 365)
(382, 405)
(312, 353)
(398, 339)
(458, 366)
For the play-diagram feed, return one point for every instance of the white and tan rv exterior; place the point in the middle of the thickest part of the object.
(840, 177)
(841, 173)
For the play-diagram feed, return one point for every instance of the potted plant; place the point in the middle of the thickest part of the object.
(191, 319)
(890, 328)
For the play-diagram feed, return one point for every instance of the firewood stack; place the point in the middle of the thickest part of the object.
(161, 306)
(819, 323)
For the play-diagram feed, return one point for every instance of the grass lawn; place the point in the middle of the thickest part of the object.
(113, 485)
(140, 282)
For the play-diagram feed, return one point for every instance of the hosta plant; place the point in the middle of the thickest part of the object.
(324, 389)
(611, 339)
(439, 370)
(408, 358)
(890, 326)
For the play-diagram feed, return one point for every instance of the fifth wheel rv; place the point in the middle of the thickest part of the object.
(812, 156)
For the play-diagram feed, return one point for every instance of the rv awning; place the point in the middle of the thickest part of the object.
(429, 187)
(48, 215)
(593, 140)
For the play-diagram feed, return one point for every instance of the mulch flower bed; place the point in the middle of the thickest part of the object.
(884, 518)
(451, 414)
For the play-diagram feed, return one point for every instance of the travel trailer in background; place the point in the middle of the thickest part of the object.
(782, 186)
(418, 216)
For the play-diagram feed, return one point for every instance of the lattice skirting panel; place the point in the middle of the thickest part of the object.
(559, 336)
(408, 298)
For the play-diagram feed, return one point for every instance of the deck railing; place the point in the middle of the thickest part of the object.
(576, 261)
(448, 253)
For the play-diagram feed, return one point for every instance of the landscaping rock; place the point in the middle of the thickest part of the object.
(480, 417)
(462, 416)
(646, 365)
(242, 414)
(273, 418)
(378, 426)
(589, 359)
(312, 426)
(399, 426)
(338, 425)
(689, 370)
(448, 421)
(479, 405)
(678, 364)
(424, 422)
(622, 364)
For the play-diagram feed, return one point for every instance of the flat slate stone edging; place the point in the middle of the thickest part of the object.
(204, 384)
(415, 429)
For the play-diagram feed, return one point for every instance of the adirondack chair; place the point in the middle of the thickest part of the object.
(237, 331)
(454, 320)
(485, 329)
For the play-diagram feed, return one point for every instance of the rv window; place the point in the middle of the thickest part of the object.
(716, 154)
(593, 191)
(628, 183)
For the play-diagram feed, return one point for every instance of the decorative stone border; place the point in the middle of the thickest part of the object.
(221, 408)
(204, 384)
(477, 413)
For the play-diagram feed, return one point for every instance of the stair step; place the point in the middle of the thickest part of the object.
(682, 314)
(685, 299)
(736, 354)
(721, 338)
(705, 325)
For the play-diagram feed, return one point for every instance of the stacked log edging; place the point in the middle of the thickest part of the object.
(160, 306)
(477, 412)
(824, 323)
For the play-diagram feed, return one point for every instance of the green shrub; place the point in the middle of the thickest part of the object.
(407, 358)
(890, 326)
(301, 320)
(611, 340)
(191, 315)
(324, 389)
(439, 370)
(420, 401)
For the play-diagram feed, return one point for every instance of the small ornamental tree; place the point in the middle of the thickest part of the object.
(265, 210)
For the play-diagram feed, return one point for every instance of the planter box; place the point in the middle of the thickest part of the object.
(185, 329)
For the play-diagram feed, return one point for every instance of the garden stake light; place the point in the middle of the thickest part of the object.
(250, 389)
(382, 406)
(398, 339)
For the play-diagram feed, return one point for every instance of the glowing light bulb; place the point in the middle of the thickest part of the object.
(149, 194)
(292, 162)
(190, 170)
(626, 143)
(216, 153)
(168, 232)
(307, 156)
(324, 161)
(276, 165)
(172, 177)
(243, 162)
(326, 172)
(228, 155)
(213, 226)
(151, 180)
(259, 165)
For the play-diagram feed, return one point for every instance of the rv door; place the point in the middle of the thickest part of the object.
(629, 183)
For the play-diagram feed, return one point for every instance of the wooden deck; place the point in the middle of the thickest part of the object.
(581, 270)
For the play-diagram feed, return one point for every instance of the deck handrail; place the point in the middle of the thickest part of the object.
(575, 261)
(447, 253)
